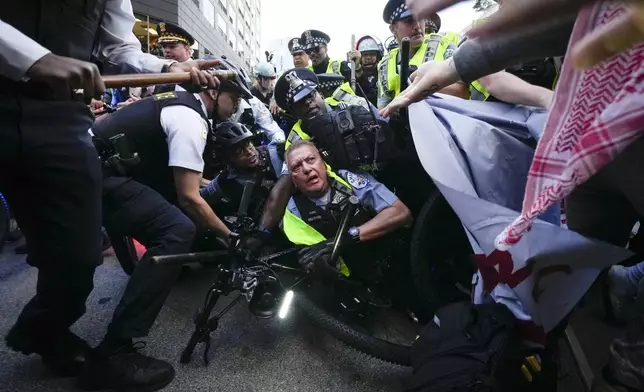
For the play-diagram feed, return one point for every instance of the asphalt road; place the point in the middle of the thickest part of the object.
(248, 354)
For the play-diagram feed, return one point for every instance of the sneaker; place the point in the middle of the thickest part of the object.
(125, 369)
(63, 353)
(622, 293)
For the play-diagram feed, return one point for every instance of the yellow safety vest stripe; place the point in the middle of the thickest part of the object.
(433, 48)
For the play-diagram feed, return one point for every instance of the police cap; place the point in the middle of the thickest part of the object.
(314, 38)
(396, 10)
(169, 33)
(328, 83)
(293, 85)
(294, 46)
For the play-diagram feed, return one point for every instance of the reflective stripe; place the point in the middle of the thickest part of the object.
(300, 233)
(341, 95)
(478, 92)
(332, 67)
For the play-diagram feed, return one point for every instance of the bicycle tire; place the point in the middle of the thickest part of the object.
(438, 236)
(378, 348)
(4, 221)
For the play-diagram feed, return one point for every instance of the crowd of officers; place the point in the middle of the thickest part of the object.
(175, 163)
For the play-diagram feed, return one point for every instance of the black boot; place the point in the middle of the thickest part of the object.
(118, 365)
(63, 352)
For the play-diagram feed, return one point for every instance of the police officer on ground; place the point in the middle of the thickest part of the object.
(155, 199)
(44, 123)
(423, 48)
(176, 43)
(367, 54)
(244, 162)
(315, 210)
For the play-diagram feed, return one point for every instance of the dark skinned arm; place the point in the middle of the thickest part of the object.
(277, 202)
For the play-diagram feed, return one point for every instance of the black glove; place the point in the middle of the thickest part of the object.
(315, 258)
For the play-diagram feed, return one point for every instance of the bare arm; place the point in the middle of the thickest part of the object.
(511, 89)
(187, 185)
(388, 220)
(277, 202)
(457, 89)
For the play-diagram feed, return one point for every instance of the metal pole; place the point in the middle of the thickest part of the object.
(147, 30)
(353, 64)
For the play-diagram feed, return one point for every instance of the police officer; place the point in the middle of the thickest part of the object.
(244, 162)
(315, 210)
(143, 198)
(300, 58)
(367, 54)
(423, 48)
(315, 44)
(296, 91)
(44, 143)
(264, 83)
(176, 43)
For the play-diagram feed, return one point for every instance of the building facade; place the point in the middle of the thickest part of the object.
(220, 27)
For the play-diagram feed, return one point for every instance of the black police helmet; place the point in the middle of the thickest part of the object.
(240, 84)
(229, 133)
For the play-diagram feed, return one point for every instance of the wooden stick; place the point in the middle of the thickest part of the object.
(141, 80)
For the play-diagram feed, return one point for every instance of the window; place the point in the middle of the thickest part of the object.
(223, 5)
(232, 39)
(208, 11)
(221, 23)
(233, 17)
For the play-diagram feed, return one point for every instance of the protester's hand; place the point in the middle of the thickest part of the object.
(354, 55)
(611, 39)
(428, 79)
(199, 77)
(128, 101)
(64, 74)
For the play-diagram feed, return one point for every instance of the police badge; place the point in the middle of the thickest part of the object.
(357, 181)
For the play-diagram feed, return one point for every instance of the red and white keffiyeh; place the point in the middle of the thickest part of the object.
(595, 115)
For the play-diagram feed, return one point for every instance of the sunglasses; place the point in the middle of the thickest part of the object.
(313, 50)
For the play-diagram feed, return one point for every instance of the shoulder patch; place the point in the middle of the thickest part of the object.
(167, 95)
(356, 180)
(204, 132)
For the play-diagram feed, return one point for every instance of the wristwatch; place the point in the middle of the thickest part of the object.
(354, 233)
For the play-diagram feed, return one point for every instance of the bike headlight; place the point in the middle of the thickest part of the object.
(286, 304)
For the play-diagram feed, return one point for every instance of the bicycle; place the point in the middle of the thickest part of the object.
(257, 279)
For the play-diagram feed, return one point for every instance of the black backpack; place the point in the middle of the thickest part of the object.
(471, 348)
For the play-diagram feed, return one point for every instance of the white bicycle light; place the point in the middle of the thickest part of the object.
(286, 304)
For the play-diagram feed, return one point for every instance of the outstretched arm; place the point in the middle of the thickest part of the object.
(388, 220)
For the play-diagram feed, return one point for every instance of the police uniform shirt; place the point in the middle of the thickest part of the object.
(372, 195)
(115, 42)
(187, 133)
(213, 193)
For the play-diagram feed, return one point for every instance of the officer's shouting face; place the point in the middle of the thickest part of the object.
(411, 28)
(176, 51)
(308, 107)
(300, 59)
(243, 156)
(307, 169)
(317, 54)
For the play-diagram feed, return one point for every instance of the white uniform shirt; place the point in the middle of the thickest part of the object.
(117, 47)
(186, 134)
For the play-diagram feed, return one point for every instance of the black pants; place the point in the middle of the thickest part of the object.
(133, 209)
(50, 175)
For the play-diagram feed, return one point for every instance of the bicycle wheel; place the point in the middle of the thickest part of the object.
(4, 221)
(372, 346)
(440, 256)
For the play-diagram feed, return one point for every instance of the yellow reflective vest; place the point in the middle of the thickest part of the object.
(433, 47)
(333, 67)
(301, 233)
